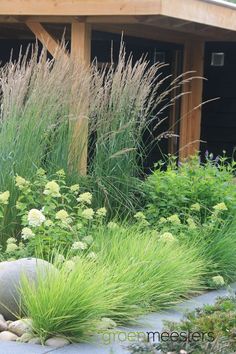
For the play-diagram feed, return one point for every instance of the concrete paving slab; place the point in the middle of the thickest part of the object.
(150, 322)
(21, 348)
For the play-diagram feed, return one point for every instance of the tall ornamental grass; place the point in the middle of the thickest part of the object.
(130, 98)
(40, 104)
(49, 107)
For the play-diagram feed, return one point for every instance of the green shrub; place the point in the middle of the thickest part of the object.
(214, 238)
(217, 321)
(69, 302)
(148, 272)
(206, 330)
(53, 215)
(179, 188)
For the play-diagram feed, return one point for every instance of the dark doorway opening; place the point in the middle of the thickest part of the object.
(169, 53)
(218, 128)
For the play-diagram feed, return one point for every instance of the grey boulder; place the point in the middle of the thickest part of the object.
(10, 281)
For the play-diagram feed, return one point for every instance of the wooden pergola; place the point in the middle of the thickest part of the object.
(187, 22)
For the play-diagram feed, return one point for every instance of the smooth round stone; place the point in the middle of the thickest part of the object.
(8, 336)
(57, 342)
(21, 327)
(3, 326)
(25, 338)
(10, 280)
(35, 340)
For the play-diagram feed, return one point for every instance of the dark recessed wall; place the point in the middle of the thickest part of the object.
(219, 117)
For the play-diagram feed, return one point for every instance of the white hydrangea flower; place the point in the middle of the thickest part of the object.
(59, 258)
(61, 173)
(174, 219)
(140, 216)
(69, 265)
(11, 247)
(62, 215)
(35, 217)
(19, 205)
(112, 225)
(41, 172)
(220, 207)
(162, 220)
(92, 255)
(88, 239)
(27, 233)
(4, 197)
(102, 212)
(196, 207)
(75, 188)
(21, 182)
(218, 280)
(11, 240)
(85, 198)
(191, 223)
(88, 213)
(79, 246)
(48, 223)
(52, 188)
(167, 237)
(79, 226)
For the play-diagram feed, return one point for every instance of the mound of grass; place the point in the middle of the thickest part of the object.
(69, 302)
(146, 271)
(134, 273)
(219, 247)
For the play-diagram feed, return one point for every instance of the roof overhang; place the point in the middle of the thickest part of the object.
(208, 19)
(215, 13)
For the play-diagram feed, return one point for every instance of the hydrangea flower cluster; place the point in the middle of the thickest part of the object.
(55, 215)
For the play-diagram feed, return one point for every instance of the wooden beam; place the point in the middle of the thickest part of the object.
(52, 45)
(190, 124)
(81, 52)
(79, 7)
(143, 31)
(198, 11)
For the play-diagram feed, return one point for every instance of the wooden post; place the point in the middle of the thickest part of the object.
(190, 124)
(52, 45)
(81, 52)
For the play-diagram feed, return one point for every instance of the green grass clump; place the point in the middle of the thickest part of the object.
(69, 302)
(133, 274)
(148, 272)
(219, 247)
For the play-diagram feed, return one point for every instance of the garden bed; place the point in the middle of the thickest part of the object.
(85, 254)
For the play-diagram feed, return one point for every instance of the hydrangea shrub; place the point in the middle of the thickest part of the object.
(54, 216)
